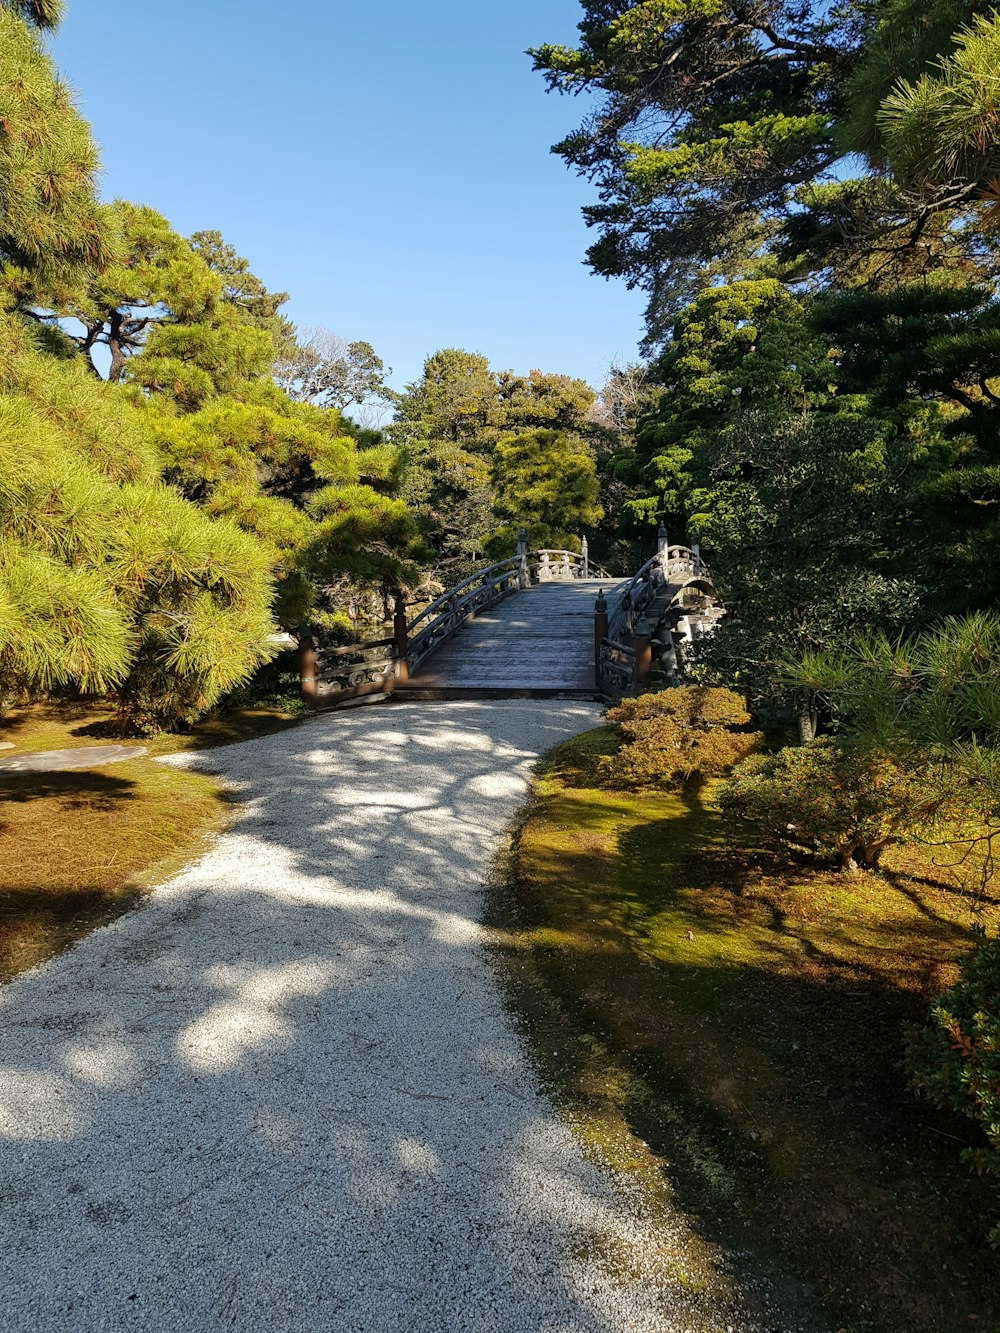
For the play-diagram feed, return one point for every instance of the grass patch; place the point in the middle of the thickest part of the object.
(742, 1015)
(78, 849)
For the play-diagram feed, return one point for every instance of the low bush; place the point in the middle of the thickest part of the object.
(956, 1059)
(678, 736)
(836, 800)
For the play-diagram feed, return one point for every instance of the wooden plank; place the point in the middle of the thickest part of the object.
(538, 639)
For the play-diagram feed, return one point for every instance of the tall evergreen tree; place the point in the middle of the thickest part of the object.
(39, 13)
(546, 483)
(725, 135)
(53, 232)
(108, 579)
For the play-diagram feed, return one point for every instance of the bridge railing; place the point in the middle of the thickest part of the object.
(622, 636)
(335, 675)
(448, 613)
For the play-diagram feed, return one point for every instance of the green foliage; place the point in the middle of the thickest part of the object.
(904, 43)
(708, 118)
(484, 448)
(840, 801)
(540, 400)
(932, 353)
(742, 346)
(455, 399)
(678, 736)
(718, 131)
(39, 13)
(956, 1059)
(937, 691)
(796, 522)
(145, 522)
(108, 579)
(942, 127)
(546, 483)
(241, 288)
(53, 232)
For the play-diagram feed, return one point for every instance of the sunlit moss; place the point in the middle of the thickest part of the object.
(727, 1024)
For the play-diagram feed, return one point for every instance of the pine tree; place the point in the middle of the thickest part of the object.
(39, 13)
(108, 579)
(53, 233)
(941, 129)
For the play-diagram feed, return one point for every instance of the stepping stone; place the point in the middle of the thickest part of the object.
(81, 756)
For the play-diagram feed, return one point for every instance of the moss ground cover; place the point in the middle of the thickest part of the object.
(742, 1015)
(78, 848)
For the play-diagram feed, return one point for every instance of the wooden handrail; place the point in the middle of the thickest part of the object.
(443, 617)
(349, 649)
(378, 665)
(452, 592)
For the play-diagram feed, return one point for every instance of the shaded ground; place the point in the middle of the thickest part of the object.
(77, 848)
(743, 1016)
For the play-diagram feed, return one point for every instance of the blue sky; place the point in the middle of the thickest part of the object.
(387, 164)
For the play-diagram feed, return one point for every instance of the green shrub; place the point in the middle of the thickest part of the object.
(681, 735)
(956, 1059)
(839, 801)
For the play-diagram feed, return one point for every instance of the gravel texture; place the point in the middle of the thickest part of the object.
(284, 1094)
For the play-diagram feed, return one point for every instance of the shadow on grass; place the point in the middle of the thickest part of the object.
(76, 846)
(297, 1045)
(36, 923)
(746, 1014)
(72, 790)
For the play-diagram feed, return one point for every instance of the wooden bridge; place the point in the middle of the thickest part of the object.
(540, 623)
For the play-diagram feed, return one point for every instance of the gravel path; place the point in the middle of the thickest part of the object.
(284, 1094)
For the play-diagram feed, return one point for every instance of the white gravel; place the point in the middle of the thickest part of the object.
(284, 1094)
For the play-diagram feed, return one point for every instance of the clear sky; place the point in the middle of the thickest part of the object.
(386, 163)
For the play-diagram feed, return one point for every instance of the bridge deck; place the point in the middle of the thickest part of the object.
(539, 641)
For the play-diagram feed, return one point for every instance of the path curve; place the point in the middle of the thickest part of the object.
(284, 1094)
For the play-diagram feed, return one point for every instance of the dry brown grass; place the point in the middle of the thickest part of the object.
(78, 848)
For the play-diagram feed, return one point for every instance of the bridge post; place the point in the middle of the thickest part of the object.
(696, 557)
(662, 545)
(399, 637)
(543, 572)
(585, 556)
(307, 671)
(522, 560)
(600, 634)
(642, 645)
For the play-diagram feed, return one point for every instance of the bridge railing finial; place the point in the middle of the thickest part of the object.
(662, 544)
(523, 574)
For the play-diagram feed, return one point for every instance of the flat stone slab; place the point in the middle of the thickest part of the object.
(80, 756)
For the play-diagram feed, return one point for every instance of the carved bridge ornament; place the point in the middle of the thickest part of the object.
(358, 664)
(672, 565)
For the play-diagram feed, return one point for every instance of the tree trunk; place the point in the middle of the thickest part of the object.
(117, 348)
(807, 722)
(863, 855)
